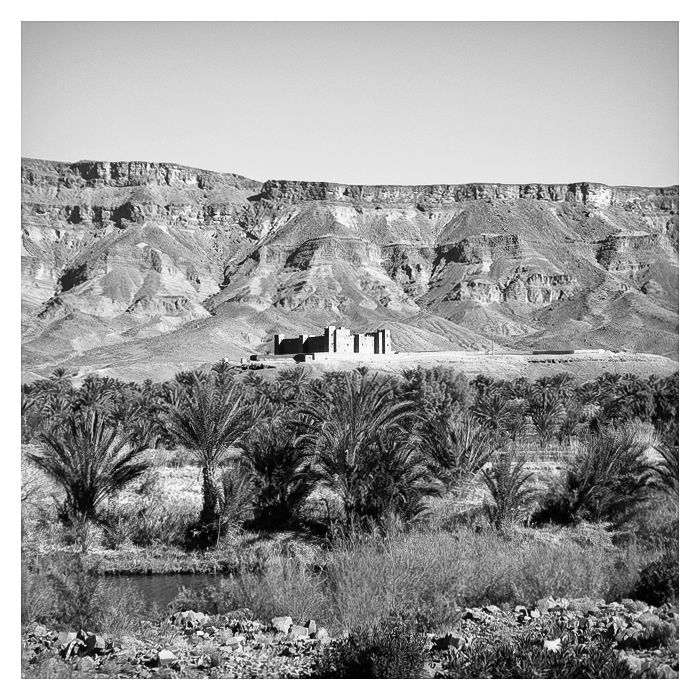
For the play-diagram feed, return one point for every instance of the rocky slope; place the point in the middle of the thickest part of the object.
(178, 266)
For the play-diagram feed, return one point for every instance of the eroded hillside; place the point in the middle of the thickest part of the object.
(164, 264)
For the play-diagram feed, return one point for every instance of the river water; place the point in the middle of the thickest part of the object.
(160, 589)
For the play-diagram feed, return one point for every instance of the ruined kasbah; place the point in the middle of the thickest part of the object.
(334, 341)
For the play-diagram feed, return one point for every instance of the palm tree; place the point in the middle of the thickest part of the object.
(270, 452)
(89, 459)
(547, 413)
(511, 489)
(665, 476)
(457, 447)
(207, 418)
(493, 410)
(603, 481)
(350, 432)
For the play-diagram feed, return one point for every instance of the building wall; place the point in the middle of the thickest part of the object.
(365, 343)
(344, 340)
(316, 343)
(335, 340)
(289, 346)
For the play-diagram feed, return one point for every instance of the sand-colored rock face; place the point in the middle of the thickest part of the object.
(186, 265)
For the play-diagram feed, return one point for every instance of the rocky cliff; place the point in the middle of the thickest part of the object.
(161, 260)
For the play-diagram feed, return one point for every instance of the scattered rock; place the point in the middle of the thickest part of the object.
(322, 635)
(297, 631)
(166, 658)
(546, 604)
(85, 664)
(282, 624)
(312, 627)
(665, 671)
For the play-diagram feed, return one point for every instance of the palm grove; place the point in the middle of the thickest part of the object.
(358, 449)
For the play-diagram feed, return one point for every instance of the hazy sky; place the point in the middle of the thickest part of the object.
(404, 103)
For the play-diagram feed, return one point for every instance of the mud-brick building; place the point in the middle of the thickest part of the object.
(335, 340)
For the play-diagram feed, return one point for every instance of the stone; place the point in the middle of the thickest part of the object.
(166, 658)
(634, 605)
(546, 604)
(297, 631)
(282, 624)
(553, 645)
(634, 663)
(65, 638)
(535, 613)
(85, 664)
(41, 631)
(583, 605)
(312, 627)
(322, 633)
(665, 671)
(493, 609)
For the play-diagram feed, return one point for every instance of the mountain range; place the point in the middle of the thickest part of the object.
(142, 269)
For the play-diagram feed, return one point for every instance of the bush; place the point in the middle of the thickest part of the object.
(69, 591)
(146, 523)
(393, 647)
(525, 656)
(434, 572)
(658, 581)
(604, 481)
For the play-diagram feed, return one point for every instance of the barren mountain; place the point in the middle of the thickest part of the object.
(155, 264)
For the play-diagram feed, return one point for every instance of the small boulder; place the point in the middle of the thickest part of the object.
(634, 605)
(493, 609)
(65, 638)
(85, 664)
(282, 624)
(166, 658)
(312, 627)
(297, 632)
(322, 635)
(546, 604)
(665, 671)
(583, 605)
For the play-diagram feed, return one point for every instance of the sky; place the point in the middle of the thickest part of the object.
(357, 102)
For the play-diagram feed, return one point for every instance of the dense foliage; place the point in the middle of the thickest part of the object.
(378, 445)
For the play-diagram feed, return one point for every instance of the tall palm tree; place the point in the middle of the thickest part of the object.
(206, 417)
(511, 489)
(340, 432)
(89, 458)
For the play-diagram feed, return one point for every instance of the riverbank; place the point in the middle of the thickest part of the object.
(579, 638)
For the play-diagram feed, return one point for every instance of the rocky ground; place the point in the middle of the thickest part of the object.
(194, 645)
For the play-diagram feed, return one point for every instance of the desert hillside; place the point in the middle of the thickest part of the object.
(162, 265)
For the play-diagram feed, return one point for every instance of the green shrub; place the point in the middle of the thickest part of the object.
(526, 657)
(658, 581)
(511, 489)
(604, 480)
(148, 522)
(393, 647)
